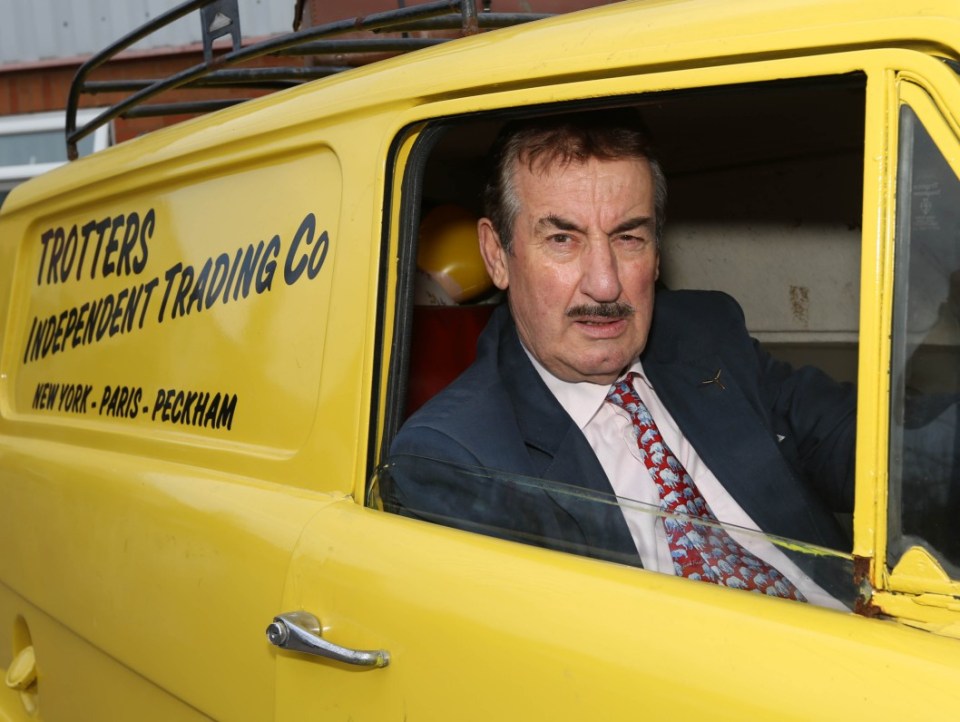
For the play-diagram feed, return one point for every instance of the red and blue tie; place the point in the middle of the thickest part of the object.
(705, 552)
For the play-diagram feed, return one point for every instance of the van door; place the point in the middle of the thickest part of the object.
(435, 623)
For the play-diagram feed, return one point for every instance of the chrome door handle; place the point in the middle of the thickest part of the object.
(300, 632)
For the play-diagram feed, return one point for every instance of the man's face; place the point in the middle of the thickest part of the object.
(582, 265)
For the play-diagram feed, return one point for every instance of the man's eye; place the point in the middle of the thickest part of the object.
(560, 238)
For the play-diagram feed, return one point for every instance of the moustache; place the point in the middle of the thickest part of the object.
(603, 310)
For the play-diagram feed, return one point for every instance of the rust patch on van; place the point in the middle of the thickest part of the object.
(866, 608)
(800, 304)
(863, 605)
(861, 569)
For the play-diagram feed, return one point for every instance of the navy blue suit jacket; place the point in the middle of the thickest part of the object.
(780, 440)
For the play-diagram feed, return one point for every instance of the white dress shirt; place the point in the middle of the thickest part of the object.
(609, 431)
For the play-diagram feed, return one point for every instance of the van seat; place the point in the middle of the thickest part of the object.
(444, 343)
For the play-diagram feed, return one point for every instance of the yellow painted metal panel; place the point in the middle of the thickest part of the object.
(77, 681)
(137, 309)
(876, 279)
(298, 400)
(547, 635)
(170, 572)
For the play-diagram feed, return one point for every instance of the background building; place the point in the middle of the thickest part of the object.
(44, 42)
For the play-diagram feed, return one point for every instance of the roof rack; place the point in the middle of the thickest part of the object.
(221, 17)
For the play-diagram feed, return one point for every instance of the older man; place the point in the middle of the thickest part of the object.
(590, 386)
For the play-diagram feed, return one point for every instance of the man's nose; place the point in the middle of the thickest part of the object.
(600, 278)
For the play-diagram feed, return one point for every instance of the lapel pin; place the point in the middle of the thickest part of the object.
(715, 380)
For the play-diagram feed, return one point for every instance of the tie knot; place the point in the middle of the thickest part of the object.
(622, 393)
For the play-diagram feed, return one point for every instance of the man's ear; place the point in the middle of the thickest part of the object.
(494, 257)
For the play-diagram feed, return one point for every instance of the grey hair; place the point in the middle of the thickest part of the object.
(610, 134)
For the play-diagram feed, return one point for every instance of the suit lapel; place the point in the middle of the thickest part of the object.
(553, 438)
(559, 451)
(726, 426)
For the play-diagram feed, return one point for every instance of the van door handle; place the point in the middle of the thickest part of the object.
(300, 632)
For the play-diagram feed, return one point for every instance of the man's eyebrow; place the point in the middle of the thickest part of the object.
(633, 224)
(562, 224)
(554, 221)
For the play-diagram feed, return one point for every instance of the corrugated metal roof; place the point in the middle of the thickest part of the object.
(32, 30)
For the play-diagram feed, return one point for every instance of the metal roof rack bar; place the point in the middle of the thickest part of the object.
(486, 21)
(153, 110)
(104, 55)
(249, 78)
(363, 45)
(440, 14)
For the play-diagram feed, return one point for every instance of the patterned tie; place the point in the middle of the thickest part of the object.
(699, 551)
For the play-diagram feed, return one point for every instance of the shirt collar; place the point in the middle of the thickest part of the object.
(581, 399)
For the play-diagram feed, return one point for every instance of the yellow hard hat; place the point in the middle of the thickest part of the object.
(449, 253)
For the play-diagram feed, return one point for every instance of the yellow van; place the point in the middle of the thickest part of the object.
(212, 333)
